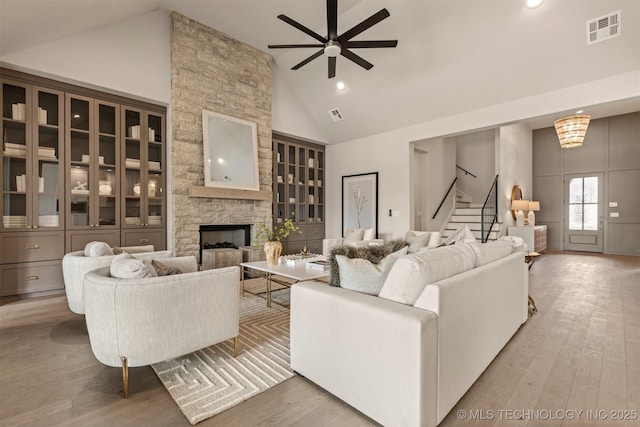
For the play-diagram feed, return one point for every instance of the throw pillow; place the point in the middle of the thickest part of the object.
(369, 234)
(373, 254)
(354, 235)
(96, 248)
(517, 243)
(361, 275)
(462, 235)
(417, 240)
(125, 266)
(164, 270)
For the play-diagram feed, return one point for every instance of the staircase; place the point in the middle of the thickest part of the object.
(469, 214)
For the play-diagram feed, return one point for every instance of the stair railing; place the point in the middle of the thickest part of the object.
(466, 172)
(489, 214)
(444, 198)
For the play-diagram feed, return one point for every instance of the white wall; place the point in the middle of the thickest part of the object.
(389, 152)
(131, 57)
(514, 159)
(475, 153)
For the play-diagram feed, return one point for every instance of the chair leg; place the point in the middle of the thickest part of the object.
(235, 346)
(125, 377)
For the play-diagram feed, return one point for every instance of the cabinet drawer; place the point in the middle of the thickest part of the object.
(27, 247)
(78, 239)
(30, 277)
(148, 236)
(314, 246)
(315, 232)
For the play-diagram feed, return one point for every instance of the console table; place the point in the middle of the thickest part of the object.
(535, 237)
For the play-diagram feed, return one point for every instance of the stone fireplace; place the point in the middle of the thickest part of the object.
(211, 71)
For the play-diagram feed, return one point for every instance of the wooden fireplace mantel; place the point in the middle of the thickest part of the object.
(229, 193)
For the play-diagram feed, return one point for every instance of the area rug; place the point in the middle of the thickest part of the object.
(211, 380)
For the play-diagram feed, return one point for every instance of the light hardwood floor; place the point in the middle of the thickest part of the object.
(580, 352)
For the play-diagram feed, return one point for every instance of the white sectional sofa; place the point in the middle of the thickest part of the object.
(409, 364)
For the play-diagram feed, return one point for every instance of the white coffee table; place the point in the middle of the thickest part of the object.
(297, 272)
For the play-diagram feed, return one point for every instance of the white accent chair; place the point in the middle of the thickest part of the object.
(353, 237)
(75, 265)
(139, 322)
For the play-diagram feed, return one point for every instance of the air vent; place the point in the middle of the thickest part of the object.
(336, 115)
(603, 28)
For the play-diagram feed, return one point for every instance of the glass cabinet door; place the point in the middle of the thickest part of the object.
(79, 149)
(279, 206)
(108, 150)
(133, 160)
(154, 177)
(48, 143)
(16, 101)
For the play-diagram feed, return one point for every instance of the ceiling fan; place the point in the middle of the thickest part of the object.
(334, 44)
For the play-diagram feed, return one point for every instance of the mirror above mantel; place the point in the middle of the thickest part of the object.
(230, 159)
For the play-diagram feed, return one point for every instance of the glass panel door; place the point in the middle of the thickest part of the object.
(133, 158)
(583, 207)
(48, 141)
(80, 153)
(108, 120)
(15, 170)
(154, 176)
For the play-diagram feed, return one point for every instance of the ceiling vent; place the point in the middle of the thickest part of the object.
(336, 115)
(603, 28)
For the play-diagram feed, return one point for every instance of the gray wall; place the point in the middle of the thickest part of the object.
(611, 146)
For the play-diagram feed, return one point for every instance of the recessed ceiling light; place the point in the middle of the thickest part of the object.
(579, 111)
(340, 86)
(532, 4)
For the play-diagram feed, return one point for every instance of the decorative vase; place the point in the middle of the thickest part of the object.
(272, 250)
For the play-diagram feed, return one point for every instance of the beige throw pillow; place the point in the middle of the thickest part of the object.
(125, 266)
(96, 248)
(361, 275)
(354, 235)
(417, 240)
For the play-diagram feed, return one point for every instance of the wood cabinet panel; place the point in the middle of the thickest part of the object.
(77, 240)
(34, 246)
(30, 277)
(156, 237)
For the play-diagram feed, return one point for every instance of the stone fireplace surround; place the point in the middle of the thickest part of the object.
(212, 71)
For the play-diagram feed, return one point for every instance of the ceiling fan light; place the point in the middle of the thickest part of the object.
(332, 49)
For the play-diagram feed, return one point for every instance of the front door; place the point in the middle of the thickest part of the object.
(583, 224)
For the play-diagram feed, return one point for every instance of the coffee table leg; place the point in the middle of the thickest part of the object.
(269, 290)
(242, 275)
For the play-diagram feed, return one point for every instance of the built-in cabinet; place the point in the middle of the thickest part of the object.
(77, 165)
(299, 192)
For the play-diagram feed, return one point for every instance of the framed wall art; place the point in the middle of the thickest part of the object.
(360, 202)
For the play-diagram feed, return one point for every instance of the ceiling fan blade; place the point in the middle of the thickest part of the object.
(357, 59)
(364, 25)
(332, 67)
(332, 19)
(287, 46)
(302, 28)
(371, 43)
(309, 59)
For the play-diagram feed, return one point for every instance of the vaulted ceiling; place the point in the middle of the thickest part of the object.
(452, 56)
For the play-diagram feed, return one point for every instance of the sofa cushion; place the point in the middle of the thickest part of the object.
(361, 275)
(417, 240)
(411, 274)
(126, 266)
(371, 253)
(354, 235)
(96, 248)
(490, 251)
